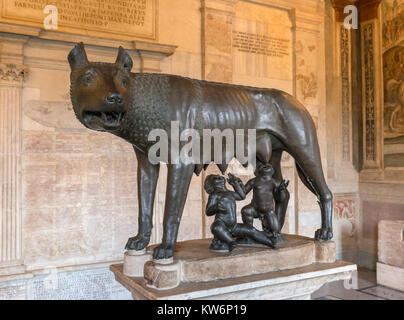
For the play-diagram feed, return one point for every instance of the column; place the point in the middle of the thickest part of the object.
(11, 80)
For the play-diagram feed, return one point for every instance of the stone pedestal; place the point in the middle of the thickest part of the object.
(390, 267)
(296, 269)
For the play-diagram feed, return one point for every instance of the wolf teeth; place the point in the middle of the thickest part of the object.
(104, 116)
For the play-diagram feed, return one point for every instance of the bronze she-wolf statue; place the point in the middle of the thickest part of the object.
(108, 97)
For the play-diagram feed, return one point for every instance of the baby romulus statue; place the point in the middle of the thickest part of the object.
(262, 204)
(222, 204)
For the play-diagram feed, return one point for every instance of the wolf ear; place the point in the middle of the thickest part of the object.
(77, 57)
(123, 59)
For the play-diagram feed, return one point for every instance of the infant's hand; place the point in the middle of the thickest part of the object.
(233, 179)
(284, 185)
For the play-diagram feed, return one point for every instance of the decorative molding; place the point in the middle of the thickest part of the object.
(346, 104)
(368, 9)
(140, 21)
(370, 152)
(10, 74)
(26, 33)
(314, 6)
(219, 6)
(339, 6)
(308, 22)
(164, 50)
(150, 54)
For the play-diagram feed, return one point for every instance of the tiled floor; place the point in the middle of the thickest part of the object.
(364, 288)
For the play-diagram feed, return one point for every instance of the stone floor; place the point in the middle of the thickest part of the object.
(363, 287)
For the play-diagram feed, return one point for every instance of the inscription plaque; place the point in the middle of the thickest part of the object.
(260, 44)
(261, 50)
(115, 19)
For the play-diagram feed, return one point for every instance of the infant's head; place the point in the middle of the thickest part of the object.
(213, 182)
(264, 169)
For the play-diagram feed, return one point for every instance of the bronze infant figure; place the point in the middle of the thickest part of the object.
(222, 204)
(265, 189)
(109, 97)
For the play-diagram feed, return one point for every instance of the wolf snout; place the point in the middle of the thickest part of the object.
(114, 98)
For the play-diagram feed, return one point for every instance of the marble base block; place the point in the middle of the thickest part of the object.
(195, 266)
(134, 261)
(391, 242)
(390, 267)
(390, 276)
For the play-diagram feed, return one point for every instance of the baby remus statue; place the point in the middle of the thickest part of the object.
(262, 205)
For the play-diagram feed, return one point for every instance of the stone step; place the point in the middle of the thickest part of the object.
(194, 262)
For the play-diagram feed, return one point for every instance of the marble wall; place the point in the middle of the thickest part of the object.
(381, 176)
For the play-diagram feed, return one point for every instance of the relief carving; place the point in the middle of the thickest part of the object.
(369, 81)
(306, 78)
(393, 81)
(345, 209)
(346, 93)
(13, 73)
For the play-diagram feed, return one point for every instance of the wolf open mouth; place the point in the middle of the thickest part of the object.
(108, 119)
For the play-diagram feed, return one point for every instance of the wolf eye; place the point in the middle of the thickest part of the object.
(88, 78)
(124, 82)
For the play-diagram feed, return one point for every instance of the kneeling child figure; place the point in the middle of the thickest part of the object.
(222, 204)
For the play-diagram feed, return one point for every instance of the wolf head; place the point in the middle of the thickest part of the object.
(100, 92)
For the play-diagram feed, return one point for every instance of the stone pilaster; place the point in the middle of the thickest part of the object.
(344, 57)
(217, 28)
(339, 50)
(151, 55)
(309, 87)
(11, 80)
(372, 84)
(12, 75)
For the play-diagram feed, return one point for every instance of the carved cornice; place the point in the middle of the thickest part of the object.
(10, 74)
(218, 6)
(367, 9)
(339, 6)
(163, 50)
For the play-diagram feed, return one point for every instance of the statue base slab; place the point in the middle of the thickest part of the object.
(296, 269)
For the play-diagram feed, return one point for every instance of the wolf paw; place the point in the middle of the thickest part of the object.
(163, 252)
(323, 234)
(138, 242)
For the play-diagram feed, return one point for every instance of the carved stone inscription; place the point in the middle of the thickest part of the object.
(261, 50)
(122, 17)
(260, 44)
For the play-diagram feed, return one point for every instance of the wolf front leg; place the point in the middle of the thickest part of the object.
(147, 175)
(178, 180)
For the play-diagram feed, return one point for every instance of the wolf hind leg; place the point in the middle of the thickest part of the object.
(313, 179)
